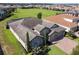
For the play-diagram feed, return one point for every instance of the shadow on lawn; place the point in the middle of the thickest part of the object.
(1, 51)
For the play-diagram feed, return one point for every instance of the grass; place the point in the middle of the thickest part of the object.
(76, 39)
(55, 51)
(7, 39)
(34, 12)
(12, 40)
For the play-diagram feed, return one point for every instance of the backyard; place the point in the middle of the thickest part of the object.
(55, 51)
(9, 43)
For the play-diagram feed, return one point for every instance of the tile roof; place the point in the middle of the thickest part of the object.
(59, 19)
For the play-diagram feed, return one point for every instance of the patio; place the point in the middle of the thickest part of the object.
(66, 45)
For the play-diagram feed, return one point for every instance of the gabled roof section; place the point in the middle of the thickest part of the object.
(47, 24)
(39, 27)
(56, 30)
(22, 30)
(30, 22)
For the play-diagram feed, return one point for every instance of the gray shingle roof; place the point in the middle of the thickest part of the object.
(47, 24)
(57, 30)
(39, 27)
(72, 12)
(21, 30)
(21, 27)
(30, 22)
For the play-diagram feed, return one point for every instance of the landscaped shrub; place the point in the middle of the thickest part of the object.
(76, 50)
(39, 15)
(7, 26)
(72, 34)
(40, 50)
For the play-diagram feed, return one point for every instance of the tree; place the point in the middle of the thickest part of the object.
(7, 26)
(40, 50)
(71, 33)
(39, 15)
(76, 50)
(27, 42)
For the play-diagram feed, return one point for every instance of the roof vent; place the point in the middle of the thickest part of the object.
(36, 31)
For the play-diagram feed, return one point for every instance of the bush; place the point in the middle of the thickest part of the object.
(72, 34)
(7, 26)
(40, 50)
(76, 50)
(39, 15)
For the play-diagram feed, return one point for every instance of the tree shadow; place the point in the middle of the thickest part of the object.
(1, 51)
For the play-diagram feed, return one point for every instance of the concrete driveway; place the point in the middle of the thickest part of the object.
(66, 45)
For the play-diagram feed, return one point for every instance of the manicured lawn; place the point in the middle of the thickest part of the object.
(55, 51)
(34, 12)
(9, 42)
(76, 39)
(12, 40)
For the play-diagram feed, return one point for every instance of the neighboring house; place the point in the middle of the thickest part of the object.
(5, 12)
(37, 29)
(2, 14)
(64, 20)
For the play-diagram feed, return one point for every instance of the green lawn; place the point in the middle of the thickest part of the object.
(76, 39)
(34, 12)
(9, 42)
(55, 51)
(12, 40)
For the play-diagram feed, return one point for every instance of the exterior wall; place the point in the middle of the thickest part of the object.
(56, 36)
(18, 38)
(37, 42)
(74, 29)
(45, 31)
